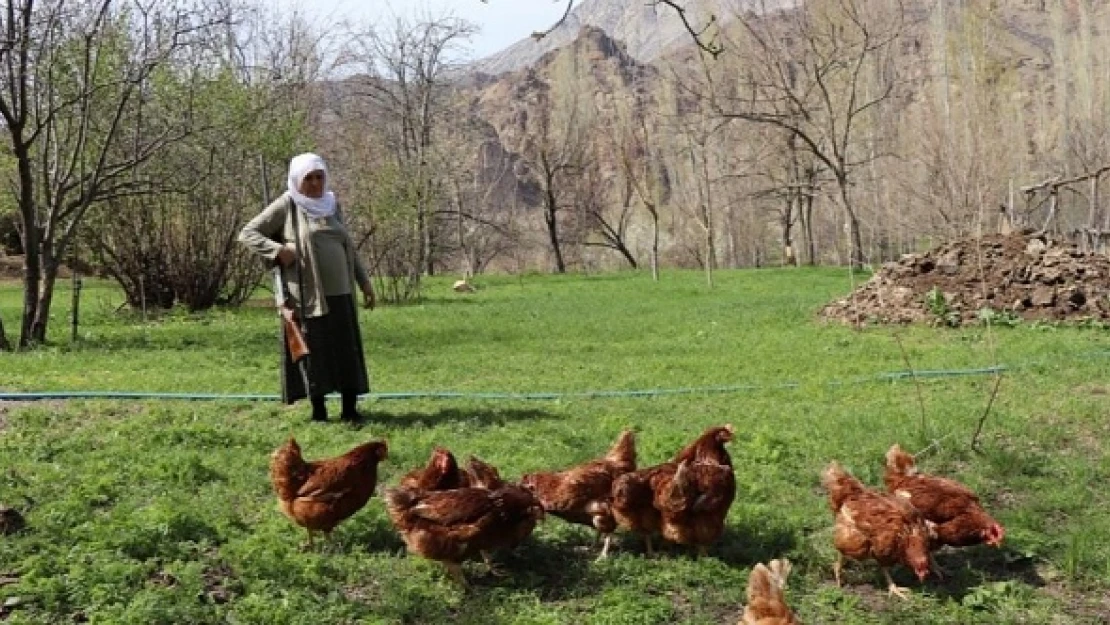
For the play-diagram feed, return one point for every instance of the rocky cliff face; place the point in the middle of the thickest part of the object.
(602, 68)
(646, 31)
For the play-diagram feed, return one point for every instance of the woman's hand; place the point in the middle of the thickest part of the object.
(286, 255)
(368, 299)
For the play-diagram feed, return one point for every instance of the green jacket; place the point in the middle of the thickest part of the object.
(269, 230)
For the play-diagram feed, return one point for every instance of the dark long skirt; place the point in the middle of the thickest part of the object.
(336, 363)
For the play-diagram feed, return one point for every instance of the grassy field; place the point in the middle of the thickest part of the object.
(161, 511)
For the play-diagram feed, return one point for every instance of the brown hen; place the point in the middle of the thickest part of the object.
(441, 473)
(871, 525)
(318, 495)
(482, 474)
(451, 526)
(766, 602)
(695, 503)
(648, 502)
(957, 517)
(583, 494)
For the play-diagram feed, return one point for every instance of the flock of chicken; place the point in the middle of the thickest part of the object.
(449, 514)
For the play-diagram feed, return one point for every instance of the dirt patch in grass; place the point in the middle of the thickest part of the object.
(368, 592)
(8, 407)
(1030, 276)
(220, 583)
(1089, 607)
(5, 408)
(162, 579)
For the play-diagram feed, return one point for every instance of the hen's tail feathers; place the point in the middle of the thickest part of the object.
(483, 475)
(624, 450)
(780, 569)
(840, 485)
(287, 470)
(898, 462)
(398, 500)
(765, 593)
(680, 491)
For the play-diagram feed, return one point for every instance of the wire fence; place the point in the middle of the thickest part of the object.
(883, 377)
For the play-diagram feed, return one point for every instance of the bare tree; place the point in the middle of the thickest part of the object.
(607, 217)
(404, 74)
(789, 178)
(555, 150)
(71, 75)
(644, 175)
(697, 170)
(477, 174)
(805, 70)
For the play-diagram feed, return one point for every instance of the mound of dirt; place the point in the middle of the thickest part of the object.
(1030, 276)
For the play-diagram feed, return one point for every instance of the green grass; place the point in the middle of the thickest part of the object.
(161, 511)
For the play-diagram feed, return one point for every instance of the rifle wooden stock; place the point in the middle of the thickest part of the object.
(294, 338)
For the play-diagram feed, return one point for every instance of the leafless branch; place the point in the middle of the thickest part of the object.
(1056, 182)
(540, 34)
(711, 46)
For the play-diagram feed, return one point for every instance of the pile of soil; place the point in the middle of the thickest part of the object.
(1026, 275)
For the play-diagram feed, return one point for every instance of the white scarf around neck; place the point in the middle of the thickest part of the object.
(301, 166)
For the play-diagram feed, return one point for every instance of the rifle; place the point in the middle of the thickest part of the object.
(291, 327)
(294, 336)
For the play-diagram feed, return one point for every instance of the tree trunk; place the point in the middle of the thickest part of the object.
(855, 239)
(5, 345)
(1105, 219)
(856, 256)
(1093, 220)
(626, 253)
(730, 240)
(425, 238)
(550, 217)
(32, 246)
(426, 243)
(710, 248)
(46, 296)
(806, 215)
(788, 257)
(654, 246)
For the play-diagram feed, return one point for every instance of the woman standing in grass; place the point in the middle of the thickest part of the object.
(303, 232)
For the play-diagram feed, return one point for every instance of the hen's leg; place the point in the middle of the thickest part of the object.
(647, 542)
(936, 567)
(605, 547)
(893, 588)
(703, 551)
(493, 569)
(309, 545)
(838, 566)
(454, 570)
(330, 543)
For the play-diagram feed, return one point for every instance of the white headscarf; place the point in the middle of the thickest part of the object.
(301, 166)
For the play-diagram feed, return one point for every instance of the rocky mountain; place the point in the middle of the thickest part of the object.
(606, 71)
(625, 45)
(646, 31)
(628, 60)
